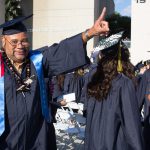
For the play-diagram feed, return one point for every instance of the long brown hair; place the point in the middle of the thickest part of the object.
(60, 81)
(101, 81)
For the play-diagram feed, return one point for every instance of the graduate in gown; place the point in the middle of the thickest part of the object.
(25, 119)
(113, 117)
(57, 94)
(143, 95)
(74, 83)
(139, 70)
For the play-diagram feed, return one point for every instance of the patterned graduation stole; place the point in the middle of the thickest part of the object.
(2, 101)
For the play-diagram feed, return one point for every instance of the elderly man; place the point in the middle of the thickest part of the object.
(25, 118)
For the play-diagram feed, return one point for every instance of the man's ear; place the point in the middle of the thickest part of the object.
(3, 41)
(148, 97)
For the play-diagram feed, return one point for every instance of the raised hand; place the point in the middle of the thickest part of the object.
(100, 27)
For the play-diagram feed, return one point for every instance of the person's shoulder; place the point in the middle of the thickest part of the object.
(146, 76)
(126, 81)
(122, 80)
(91, 72)
(147, 73)
(69, 75)
(124, 77)
(93, 68)
(39, 50)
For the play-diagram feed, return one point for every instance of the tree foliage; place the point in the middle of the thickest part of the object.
(118, 22)
(12, 9)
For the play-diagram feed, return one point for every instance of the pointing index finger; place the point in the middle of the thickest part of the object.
(102, 16)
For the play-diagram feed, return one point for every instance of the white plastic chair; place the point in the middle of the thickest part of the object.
(70, 126)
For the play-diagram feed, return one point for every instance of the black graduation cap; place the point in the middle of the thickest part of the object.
(139, 65)
(14, 26)
(147, 62)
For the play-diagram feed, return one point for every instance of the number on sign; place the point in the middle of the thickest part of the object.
(140, 1)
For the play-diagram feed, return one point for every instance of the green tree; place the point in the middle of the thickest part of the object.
(12, 9)
(118, 22)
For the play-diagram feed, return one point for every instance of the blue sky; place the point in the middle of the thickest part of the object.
(123, 7)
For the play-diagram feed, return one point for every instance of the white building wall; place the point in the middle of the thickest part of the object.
(55, 20)
(140, 32)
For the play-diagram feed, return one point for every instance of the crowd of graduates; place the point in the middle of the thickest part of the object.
(122, 115)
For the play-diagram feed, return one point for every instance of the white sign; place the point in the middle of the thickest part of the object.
(69, 97)
(140, 31)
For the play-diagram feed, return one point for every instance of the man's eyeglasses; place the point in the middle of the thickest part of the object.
(15, 42)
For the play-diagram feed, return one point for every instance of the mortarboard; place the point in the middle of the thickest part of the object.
(147, 62)
(106, 45)
(14, 26)
(111, 45)
(139, 65)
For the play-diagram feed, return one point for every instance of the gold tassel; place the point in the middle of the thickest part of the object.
(119, 67)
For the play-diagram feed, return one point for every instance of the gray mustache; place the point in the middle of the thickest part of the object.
(21, 49)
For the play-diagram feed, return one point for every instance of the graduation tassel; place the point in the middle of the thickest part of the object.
(119, 67)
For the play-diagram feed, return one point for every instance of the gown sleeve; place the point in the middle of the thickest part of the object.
(66, 56)
(130, 116)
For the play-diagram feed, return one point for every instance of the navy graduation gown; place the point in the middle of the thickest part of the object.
(73, 84)
(143, 90)
(57, 91)
(114, 123)
(26, 129)
(55, 94)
